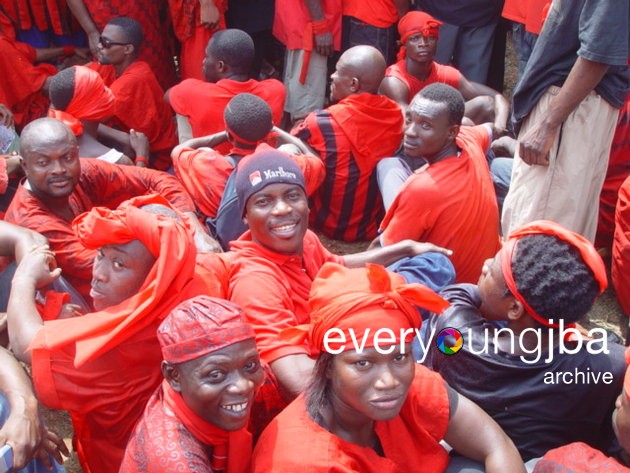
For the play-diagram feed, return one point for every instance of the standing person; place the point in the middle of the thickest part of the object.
(577, 70)
(157, 49)
(351, 137)
(373, 410)
(103, 366)
(197, 419)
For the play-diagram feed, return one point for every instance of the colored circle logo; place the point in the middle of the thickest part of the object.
(450, 341)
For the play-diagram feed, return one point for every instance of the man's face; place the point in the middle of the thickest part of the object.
(109, 53)
(210, 67)
(52, 169)
(119, 272)
(495, 301)
(277, 216)
(370, 385)
(421, 48)
(427, 129)
(342, 81)
(220, 387)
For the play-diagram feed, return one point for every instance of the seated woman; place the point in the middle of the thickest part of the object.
(368, 407)
(196, 421)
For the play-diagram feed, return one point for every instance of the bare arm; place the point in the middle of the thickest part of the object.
(81, 13)
(470, 90)
(293, 372)
(473, 433)
(392, 253)
(534, 145)
(17, 241)
(210, 141)
(285, 137)
(324, 41)
(396, 90)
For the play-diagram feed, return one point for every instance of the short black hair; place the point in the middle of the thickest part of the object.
(61, 88)
(553, 278)
(132, 29)
(443, 93)
(235, 48)
(249, 117)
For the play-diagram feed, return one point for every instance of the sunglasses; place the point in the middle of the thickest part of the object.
(108, 43)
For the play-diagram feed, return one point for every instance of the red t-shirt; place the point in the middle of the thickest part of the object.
(621, 248)
(410, 441)
(379, 13)
(272, 289)
(439, 73)
(515, 10)
(451, 204)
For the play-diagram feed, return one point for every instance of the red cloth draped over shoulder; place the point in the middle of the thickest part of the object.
(439, 73)
(174, 277)
(292, 19)
(44, 15)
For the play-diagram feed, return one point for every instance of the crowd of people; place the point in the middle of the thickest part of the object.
(172, 170)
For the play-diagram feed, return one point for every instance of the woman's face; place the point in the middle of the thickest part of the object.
(369, 385)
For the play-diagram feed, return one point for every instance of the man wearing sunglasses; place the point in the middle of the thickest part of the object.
(139, 103)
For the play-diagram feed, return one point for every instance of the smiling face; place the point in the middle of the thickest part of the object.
(220, 387)
(277, 216)
(119, 272)
(428, 130)
(370, 385)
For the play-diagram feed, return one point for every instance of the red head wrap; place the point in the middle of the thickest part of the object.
(362, 299)
(200, 326)
(544, 227)
(71, 122)
(92, 99)
(171, 279)
(416, 22)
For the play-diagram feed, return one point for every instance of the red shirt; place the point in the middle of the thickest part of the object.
(515, 10)
(100, 184)
(351, 136)
(379, 13)
(451, 204)
(439, 73)
(272, 289)
(292, 19)
(203, 102)
(410, 441)
(621, 247)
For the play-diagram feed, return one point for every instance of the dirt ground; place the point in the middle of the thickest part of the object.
(605, 313)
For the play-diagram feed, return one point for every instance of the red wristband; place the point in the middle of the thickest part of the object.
(142, 159)
(67, 51)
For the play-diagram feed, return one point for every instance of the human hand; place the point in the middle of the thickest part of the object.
(324, 44)
(51, 445)
(139, 143)
(70, 310)
(94, 42)
(6, 117)
(209, 15)
(535, 144)
(418, 248)
(23, 432)
(38, 267)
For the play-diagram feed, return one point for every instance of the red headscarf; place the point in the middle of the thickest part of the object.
(413, 23)
(70, 121)
(172, 276)
(193, 329)
(92, 99)
(544, 227)
(362, 299)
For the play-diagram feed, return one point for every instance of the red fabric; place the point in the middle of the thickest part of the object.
(292, 19)
(536, 15)
(92, 100)
(20, 90)
(516, 10)
(157, 47)
(417, 22)
(379, 13)
(439, 73)
(43, 14)
(272, 289)
(139, 104)
(351, 137)
(578, 457)
(544, 227)
(4, 175)
(186, 16)
(410, 441)
(364, 300)
(100, 184)
(70, 121)
(52, 304)
(103, 366)
(204, 102)
(451, 204)
(621, 248)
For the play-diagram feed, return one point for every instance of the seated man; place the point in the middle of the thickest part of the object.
(229, 59)
(103, 366)
(186, 426)
(208, 176)
(138, 97)
(275, 262)
(351, 136)
(451, 203)
(59, 187)
(542, 389)
(417, 69)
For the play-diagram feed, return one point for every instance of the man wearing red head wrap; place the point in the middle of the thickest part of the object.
(542, 388)
(416, 69)
(103, 366)
(59, 187)
(368, 409)
(190, 424)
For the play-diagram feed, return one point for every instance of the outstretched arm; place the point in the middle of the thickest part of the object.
(17, 241)
(470, 90)
(81, 13)
(386, 255)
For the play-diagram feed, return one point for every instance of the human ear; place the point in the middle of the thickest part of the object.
(171, 374)
(515, 310)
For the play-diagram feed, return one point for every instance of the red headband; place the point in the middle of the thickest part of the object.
(416, 22)
(70, 121)
(587, 251)
(92, 99)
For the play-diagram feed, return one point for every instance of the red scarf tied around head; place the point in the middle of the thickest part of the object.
(545, 227)
(171, 277)
(92, 99)
(362, 299)
(416, 22)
